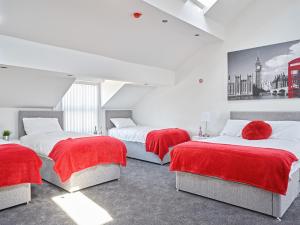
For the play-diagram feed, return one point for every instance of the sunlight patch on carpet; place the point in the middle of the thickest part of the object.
(82, 210)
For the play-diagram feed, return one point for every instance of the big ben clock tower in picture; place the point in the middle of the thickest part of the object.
(258, 68)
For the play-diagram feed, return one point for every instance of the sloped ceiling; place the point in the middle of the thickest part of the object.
(127, 96)
(108, 89)
(84, 66)
(105, 28)
(224, 11)
(101, 39)
(189, 12)
(29, 88)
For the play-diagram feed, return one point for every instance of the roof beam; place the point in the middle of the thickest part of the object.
(23, 53)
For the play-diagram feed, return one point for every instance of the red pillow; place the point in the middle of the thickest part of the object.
(257, 130)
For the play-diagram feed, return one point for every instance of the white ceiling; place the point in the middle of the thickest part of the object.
(19, 52)
(190, 13)
(127, 96)
(104, 27)
(224, 11)
(27, 88)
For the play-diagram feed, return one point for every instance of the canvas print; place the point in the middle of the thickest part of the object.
(268, 72)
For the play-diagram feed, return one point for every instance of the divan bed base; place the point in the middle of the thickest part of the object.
(82, 179)
(137, 150)
(14, 195)
(238, 194)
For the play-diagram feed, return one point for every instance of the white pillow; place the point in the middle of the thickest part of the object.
(234, 128)
(122, 122)
(287, 130)
(41, 125)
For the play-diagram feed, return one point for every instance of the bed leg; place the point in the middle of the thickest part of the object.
(279, 219)
(177, 189)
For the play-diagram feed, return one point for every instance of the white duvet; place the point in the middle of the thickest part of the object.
(288, 145)
(43, 143)
(3, 142)
(134, 134)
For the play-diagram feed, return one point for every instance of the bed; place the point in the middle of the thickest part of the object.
(18, 192)
(88, 177)
(243, 195)
(133, 137)
(14, 195)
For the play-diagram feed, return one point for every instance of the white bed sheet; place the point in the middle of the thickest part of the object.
(134, 134)
(3, 142)
(288, 145)
(43, 143)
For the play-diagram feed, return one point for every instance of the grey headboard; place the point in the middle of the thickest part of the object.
(266, 115)
(115, 114)
(41, 114)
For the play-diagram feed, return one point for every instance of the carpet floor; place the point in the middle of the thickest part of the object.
(145, 195)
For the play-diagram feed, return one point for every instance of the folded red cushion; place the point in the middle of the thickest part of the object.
(257, 130)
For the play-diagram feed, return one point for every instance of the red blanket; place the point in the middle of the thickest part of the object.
(73, 155)
(19, 165)
(159, 141)
(264, 168)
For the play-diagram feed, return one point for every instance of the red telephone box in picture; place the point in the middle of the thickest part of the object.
(294, 78)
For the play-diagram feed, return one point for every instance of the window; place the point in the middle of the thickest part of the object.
(204, 3)
(81, 107)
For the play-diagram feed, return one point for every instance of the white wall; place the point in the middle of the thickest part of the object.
(264, 22)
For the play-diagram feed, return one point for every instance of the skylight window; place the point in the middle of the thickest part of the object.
(204, 3)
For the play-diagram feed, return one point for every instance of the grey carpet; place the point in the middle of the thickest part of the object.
(145, 195)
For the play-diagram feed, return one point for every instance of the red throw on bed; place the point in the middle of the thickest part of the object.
(265, 168)
(19, 165)
(72, 155)
(159, 141)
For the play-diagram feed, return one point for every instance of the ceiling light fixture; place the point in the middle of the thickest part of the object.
(3, 67)
(164, 21)
(197, 35)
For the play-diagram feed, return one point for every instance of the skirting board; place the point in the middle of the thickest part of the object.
(14, 195)
(137, 150)
(238, 194)
(82, 179)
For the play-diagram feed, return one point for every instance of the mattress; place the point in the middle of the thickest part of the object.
(136, 150)
(43, 143)
(15, 194)
(82, 179)
(288, 145)
(4, 142)
(132, 134)
(134, 139)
